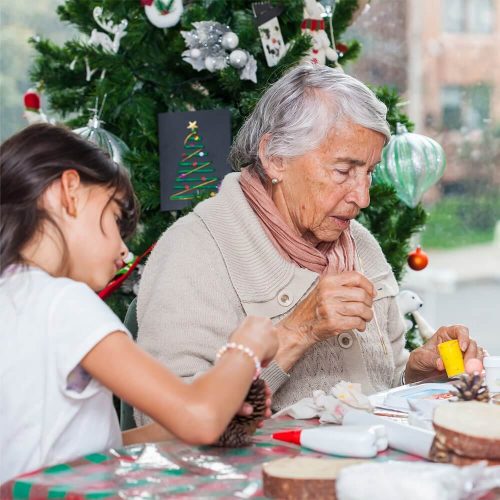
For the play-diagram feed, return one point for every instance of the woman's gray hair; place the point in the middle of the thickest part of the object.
(299, 110)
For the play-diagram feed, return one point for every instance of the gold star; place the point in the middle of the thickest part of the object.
(192, 125)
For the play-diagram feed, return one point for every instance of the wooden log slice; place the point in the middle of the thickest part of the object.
(442, 454)
(469, 429)
(303, 478)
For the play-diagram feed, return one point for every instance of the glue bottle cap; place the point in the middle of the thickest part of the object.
(288, 436)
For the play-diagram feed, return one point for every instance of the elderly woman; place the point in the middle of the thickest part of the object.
(280, 240)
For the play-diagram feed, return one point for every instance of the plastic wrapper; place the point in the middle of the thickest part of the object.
(153, 471)
(188, 472)
(418, 481)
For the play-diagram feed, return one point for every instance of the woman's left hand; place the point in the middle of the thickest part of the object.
(425, 362)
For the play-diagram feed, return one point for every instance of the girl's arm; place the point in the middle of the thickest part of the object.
(150, 433)
(197, 412)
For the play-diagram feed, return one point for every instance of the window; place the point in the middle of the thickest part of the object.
(468, 16)
(465, 107)
(462, 281)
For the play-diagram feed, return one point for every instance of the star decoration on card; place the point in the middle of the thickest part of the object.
(193, 125)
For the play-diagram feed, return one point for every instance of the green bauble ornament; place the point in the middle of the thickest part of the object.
(411, 163)
(107, 141)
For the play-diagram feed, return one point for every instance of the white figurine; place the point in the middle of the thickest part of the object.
(409, 303)
(314, 25)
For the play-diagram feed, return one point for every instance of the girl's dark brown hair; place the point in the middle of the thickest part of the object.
(30, 161)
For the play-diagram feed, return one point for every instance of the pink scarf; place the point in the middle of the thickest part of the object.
(328, 257)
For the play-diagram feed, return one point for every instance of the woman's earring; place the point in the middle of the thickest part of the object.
(274, 181)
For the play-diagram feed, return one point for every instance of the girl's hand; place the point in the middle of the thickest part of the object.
(247, 409)
(425, 361)
(258, 334)
(268, 406)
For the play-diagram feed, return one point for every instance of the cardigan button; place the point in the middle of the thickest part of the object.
(285, 298)
(345, 340)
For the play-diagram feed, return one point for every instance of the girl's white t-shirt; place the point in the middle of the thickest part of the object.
(51, 410)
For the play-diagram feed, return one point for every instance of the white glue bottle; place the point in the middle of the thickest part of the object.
(358, 441)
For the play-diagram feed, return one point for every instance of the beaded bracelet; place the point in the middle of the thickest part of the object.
(246, 350)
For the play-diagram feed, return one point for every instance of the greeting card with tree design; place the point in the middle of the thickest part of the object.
(193, 155)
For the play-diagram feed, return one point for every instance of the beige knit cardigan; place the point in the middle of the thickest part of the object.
(216, 265)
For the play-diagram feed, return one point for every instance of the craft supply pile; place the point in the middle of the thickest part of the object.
(453, 426)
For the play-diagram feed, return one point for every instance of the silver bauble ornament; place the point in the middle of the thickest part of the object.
(229, 40)
(112, 145)
(195, 53)
(210, 63)
(238, 59)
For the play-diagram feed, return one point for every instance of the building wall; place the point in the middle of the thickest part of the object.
(456, 59)
(437, 59)
(405, 45)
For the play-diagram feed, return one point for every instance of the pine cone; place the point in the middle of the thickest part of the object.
(471, 387)
(241, 428)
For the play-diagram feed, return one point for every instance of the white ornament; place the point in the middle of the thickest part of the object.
(313, 25)
(272, 41)
(88, 70)
(169, 14)
(97, 38)
(238, 59)
(195, 53)
(230, 40)
(210, 63)
(408, 302)
(207, 49)
(424, 328)
(249, 72)
(35, 117)
(205, 41)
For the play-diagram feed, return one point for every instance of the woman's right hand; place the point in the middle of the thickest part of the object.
(337, 304)
(258, 334)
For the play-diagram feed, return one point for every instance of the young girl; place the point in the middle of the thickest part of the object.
(65, 209)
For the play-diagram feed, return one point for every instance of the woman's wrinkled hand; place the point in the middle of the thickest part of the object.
(338, 303)
(425, 362)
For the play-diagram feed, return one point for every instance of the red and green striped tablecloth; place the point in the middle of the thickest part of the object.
(166, 469)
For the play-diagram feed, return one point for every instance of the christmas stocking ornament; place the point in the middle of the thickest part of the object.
(314, 26)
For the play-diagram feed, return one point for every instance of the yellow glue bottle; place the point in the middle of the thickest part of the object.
(452, 357)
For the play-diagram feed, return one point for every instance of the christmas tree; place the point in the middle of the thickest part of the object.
(145, 70)
(195, 175)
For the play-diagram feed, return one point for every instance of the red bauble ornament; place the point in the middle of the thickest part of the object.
(342, 48)
(31, 100)
(418, 259)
